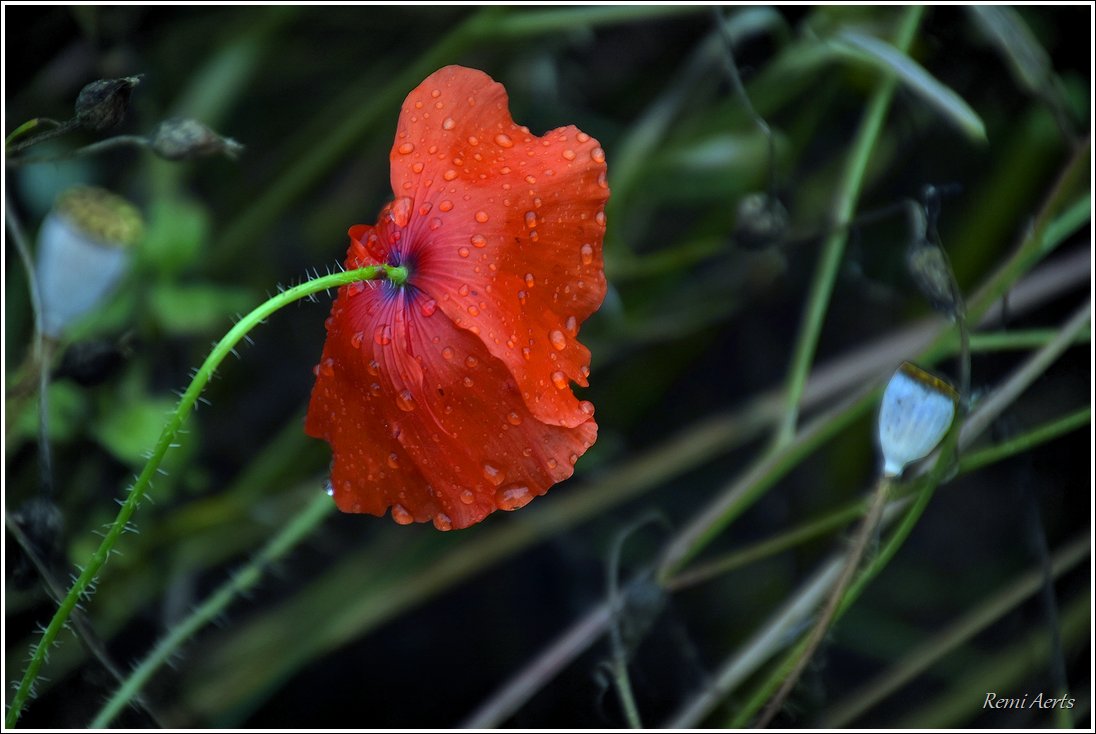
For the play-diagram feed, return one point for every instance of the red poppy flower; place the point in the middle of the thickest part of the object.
(449, 396)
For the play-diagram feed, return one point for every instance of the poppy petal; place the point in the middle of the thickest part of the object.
(511, 225)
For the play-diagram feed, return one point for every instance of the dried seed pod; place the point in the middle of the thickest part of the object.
(102, 103)
(180, 138)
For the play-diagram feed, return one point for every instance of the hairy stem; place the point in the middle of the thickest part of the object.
(223, 348)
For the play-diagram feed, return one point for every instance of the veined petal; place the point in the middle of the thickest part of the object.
(510, 247)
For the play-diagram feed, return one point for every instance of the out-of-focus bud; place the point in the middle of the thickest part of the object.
(103, 103)
(181, 138)
(929, 267)
(761, 221)
(83, 251)
(918, 408)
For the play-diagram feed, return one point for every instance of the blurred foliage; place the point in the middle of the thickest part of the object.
(366, 624)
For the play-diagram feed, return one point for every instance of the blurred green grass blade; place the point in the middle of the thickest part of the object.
(1003, 672)
(537, 22)
(891, 60)
(953, 636)
(1015, 42)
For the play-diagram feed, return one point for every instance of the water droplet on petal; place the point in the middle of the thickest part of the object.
(401, 211)
(493, 474)
(513, 418)
(373, 368)
(375, 389)
(530, 220)
(512, 497)
(559, 380)
(586, 407)
(582, 137)
(471, 361)
(479, 240)
(401, 515)
(463, 290)
(482, 216)
(428, 307)
(467, 497)
(356, 340)
(504, 141)
(442, 522)
(587, 253)
(527, 353)
(448, 123)
(382, 335)
(405, 401)
(600, 218)
(559, 341)
(530, 281)
(568, 155)
(447, 352)
(406, 148)
(446, 206)
(393, 460)
(463, 251)
(449, 174)
(327, 367)
(571, 325)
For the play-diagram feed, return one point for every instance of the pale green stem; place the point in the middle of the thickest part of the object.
(299, 529)
(224, 347)
(832, 250)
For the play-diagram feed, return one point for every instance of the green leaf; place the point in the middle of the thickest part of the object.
(190, 310)
(177, 232)
(871, 50)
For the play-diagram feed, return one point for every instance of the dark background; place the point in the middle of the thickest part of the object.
(694, 326)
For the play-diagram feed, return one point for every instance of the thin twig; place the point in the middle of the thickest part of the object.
(867, 530)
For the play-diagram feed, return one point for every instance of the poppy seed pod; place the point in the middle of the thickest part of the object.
(181, 138)
(102, 103)
(83, 251)
(916, 412)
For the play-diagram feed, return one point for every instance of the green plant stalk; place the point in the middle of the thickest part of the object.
(299, 529)
(840, 517)
(1020, 444)
(957, 633)
(222, 349)
(999, 341)
(832, 250)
